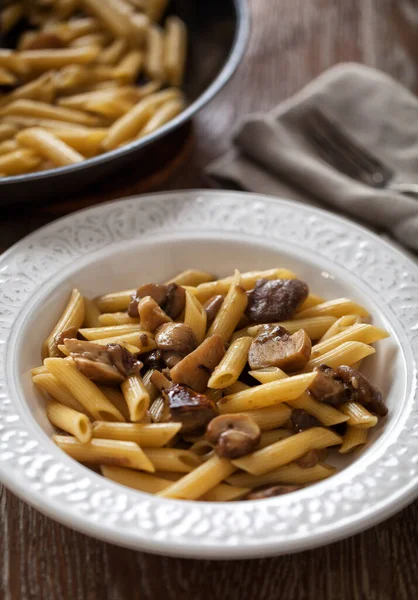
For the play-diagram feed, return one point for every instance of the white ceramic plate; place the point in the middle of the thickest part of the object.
(122, 244)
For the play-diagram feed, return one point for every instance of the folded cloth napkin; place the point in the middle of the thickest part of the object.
(273, 156)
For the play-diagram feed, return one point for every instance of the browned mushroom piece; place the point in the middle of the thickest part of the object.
(153, 360)
(69, 333)
(312, 458)
(275, 347)
(156, 291)
(233, 435)
(192, 410)
(196, 368)
(275, 300)
(212, 307)
(301, 420)
(269, 492)
(328, 387)
(363, 391)
(174, 301)
(175, 341)
(110, 364)
(151, 315)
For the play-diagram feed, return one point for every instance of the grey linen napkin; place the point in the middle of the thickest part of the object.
(272, 155)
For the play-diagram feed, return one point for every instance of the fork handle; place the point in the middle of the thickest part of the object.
(410, 189)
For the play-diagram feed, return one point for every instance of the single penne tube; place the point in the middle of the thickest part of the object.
(97, 333)
(69, 420)
(224, 492)
(153, 392)
(291, 474)
(91, 314)
(346, 353)
(205, 291)
(238, 386)
(35, 108)
(147, 435)
(173, 459)
(270, 417)
(154, 58)
(287, 450)
(200, 480)
(105, 452)
(71, 318)
(203, 449)
(87, 143)
(7, 77)
(43, 60)
(113, 53)
(115, 396)
(268, 374)
(9, 59)
(334, 308)
(8, 146)
(109, 14)
(272, 436)
(117, 318)
(22, 122)
(315, 327)
(195, 317)
(353, 438)
(311, 300)
(155, 9)
(129, 67)
(157, 410)
(83, 390)
(91, 39)
(49, 383)
(143, 482)
(175, 50)
(231, 310)
(19, 161)
(49, 146)
(163, 115)
(136, 396)
(358, 416)
(7, 131)
(326, 414)
(340, 325)
(266, 394)
(128, 126)
(115, 302)
(136, 342)
(361, 332)
(192, 277)
(231, 365)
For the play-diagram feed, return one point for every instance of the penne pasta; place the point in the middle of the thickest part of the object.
(334, 308)
(231, 310)
(267, 394)
(340, 325)
(69, 420)
(163, 115)
(195, 317)
(116, 398)
(315, 327)
(238, 386)
(345, 354)
(18, 162)
(311, 300)
(83, 390)
(270, 417)
(43, 60)
(272, 436)
(191, 277)
(35, 108)
(114, 52)
(203, 449)
(106, 452)
(175, 49)
(47, 382)
(71, 318)
(143, 482)
(49, 146)
(97, 333)
(87, 143)
(129, 67)
(135, 342)
(117, 318)
(325, 413)
(224, 492)
(173, 459)
(361, 332)
(232, 364)
(155, 9)
(358, 416)
(287, 450)
(147, 435)
(91, 314)
(200, 480)
(154, 58)
(136, 396)
(291, 474)
(115, 302)
(7, 131)
(353, 438)
(268, 375)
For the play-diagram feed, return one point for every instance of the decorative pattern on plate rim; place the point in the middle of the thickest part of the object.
(74, 495)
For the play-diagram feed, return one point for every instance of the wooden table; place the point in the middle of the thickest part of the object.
(292, 41)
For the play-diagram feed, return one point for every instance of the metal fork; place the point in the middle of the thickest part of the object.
(339, 149)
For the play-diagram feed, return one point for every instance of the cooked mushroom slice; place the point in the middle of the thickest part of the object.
(233, 435)
(156, 291)
(175, 341)
(69, 333)
(151, 315)
(110, 364)
(301, 420)
(328, 387)
(160, 381)
(275, 300)
(212, 307)
(189, 408)
(196, 368)
(275, 347)
(363, 391)
(174, 301)
(312, 458)
(153, 360)
(269, 492)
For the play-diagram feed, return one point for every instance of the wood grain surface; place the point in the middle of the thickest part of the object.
(292, 41)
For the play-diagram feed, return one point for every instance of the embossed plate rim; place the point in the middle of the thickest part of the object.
(237, 530)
